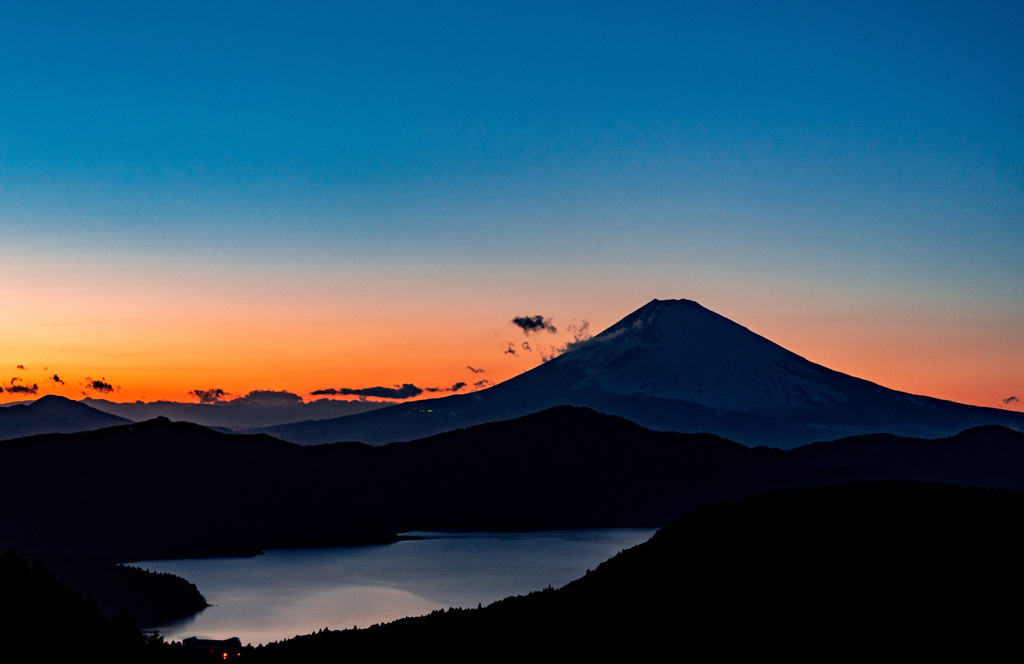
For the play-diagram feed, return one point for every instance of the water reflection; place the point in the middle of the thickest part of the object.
(297, 591)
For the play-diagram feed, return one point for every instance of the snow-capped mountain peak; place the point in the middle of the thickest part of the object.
(677, 349)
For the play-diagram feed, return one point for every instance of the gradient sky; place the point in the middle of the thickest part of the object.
(299, 196)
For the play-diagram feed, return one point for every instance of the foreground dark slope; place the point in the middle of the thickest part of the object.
(47, 621)
(673, 365)
(905, 569)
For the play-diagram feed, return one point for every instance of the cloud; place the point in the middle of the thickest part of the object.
(454, 388)
(13, 388)
(511, 350)
(474, 370)
(101, 385)
(1008, 400)
(212, 395)
(482, 384)
(526, 346)
(21, 366)
(530, 324)
(404, 391)
(580, 332)
(270, 398)
(57, 379)
(580, 335)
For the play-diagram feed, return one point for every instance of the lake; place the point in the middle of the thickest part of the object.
(287, 592)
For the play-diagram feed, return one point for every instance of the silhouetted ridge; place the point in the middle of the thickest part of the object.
(567, 467)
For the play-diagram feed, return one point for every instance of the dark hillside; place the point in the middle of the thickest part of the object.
(47, 621)
(162, 489)
(989, 456)
(907, 569)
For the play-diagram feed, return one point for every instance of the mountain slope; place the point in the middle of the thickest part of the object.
(908, 569)
(674, 365)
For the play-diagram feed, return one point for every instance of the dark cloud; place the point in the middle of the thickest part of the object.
(404, 391)
(101, 385)
(481, 384)
(270, 398)
(1009, 400)
(212, 395)
(21, 389)
(526, 346)
(474, 369)
(454, 388)
(21, 366)
(530, 324)
(511, 350)
(57, 379)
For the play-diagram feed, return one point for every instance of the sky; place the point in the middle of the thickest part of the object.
(312, 196)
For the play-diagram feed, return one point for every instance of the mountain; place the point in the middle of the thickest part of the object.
(53, 414)
(674, 365)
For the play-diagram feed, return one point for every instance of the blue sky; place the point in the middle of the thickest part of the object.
(782, 163)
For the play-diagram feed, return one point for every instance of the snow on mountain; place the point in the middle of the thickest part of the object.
(674, 365)
(680, 350)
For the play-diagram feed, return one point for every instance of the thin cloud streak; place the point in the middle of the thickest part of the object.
(404, 391)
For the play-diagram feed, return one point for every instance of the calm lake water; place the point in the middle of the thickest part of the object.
(287, 592)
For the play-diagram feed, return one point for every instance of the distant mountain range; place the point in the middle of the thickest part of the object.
(53, 414)
(260, 408)
(56, 414)
(673, 365)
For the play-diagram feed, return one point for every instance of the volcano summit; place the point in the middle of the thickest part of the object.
(674, 365)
